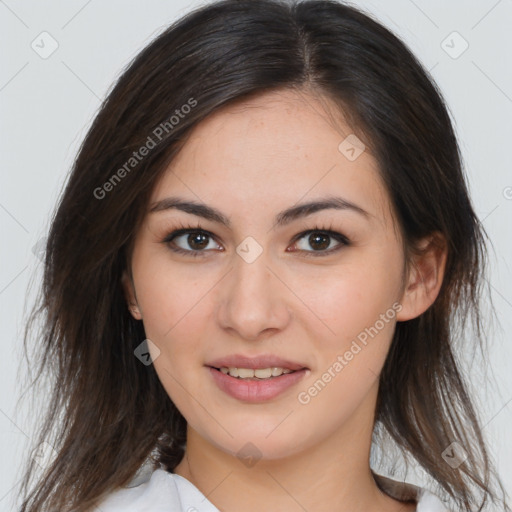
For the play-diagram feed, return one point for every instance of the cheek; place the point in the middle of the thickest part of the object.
(360, 305)
(349, 299)
(170, 299)
(174, 319)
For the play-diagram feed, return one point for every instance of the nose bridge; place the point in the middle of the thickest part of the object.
(250, 267)
(253, 300)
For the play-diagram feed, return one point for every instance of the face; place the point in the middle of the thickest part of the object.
(316, 290)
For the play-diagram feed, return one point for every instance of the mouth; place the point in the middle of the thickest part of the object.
(255, 373)
(260, 364)
(255, 379)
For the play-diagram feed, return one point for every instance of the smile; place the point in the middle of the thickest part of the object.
(250, 373)
(245, 385)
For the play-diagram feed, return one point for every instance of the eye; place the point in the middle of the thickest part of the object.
(322, 241)
(194, 242)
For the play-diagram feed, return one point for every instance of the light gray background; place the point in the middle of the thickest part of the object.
(48, 104)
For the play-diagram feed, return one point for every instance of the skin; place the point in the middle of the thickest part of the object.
(252, 160)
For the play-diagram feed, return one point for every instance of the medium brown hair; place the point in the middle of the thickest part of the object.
(108, 413)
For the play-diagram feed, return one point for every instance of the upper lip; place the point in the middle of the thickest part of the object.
(262, 361)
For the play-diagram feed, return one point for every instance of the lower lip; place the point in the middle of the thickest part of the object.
(256, 390)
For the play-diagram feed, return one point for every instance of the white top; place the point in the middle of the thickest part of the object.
(169, 492)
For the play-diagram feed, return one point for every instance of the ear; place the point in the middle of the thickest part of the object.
(129, 293)
(425, 277)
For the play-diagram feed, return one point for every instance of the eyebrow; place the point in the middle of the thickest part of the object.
(281, 219)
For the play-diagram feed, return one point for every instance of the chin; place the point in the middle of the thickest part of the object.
(251, 445)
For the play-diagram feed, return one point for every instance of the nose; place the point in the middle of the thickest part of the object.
(253, 300)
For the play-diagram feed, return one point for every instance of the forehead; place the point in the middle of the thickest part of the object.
(273, 150)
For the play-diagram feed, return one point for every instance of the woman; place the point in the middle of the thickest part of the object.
(257, 270)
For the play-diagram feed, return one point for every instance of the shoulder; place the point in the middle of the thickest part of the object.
(160, 492)
(425, 500)
(428, 502)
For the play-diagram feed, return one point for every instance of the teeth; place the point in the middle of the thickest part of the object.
(243, 373)
(263, 374)
(259, 373)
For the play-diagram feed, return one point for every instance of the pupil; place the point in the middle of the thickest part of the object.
(200, 238)
(315, 238)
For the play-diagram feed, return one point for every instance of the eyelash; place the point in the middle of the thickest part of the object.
(187, 229)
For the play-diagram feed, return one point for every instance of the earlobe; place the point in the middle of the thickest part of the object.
(425, 277)
(131, 299)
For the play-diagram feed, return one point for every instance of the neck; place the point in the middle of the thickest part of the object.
(332, 475)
